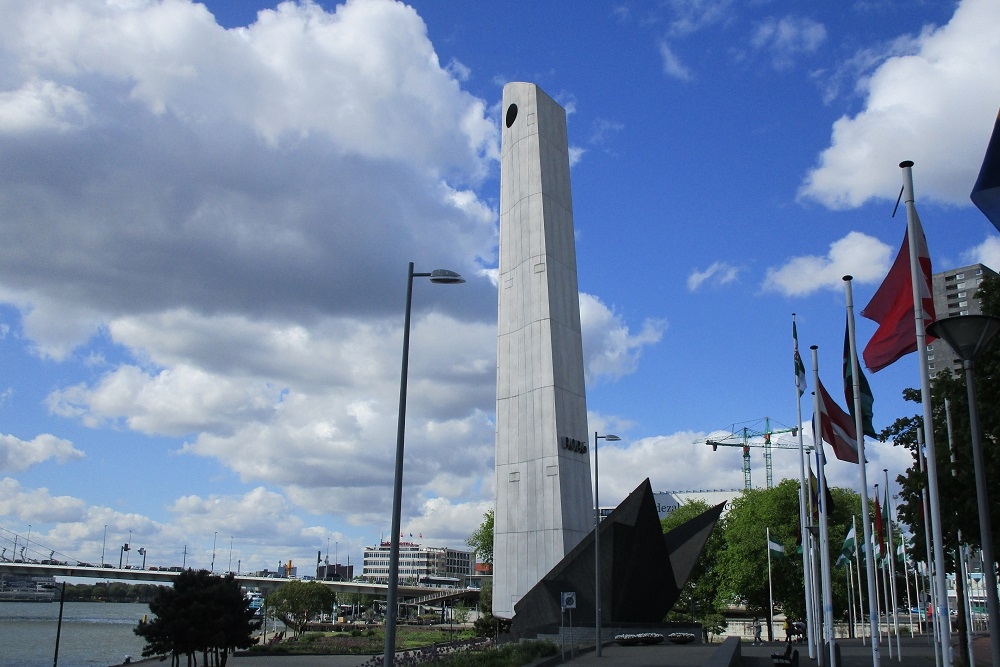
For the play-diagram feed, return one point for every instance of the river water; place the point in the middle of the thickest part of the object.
(94, 634)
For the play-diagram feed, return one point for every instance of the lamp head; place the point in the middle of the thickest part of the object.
(966, 334)
(446, 277)
(611, 438)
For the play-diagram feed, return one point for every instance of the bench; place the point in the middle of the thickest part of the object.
(790, 658)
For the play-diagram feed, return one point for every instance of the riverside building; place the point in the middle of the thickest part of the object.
(439, 567)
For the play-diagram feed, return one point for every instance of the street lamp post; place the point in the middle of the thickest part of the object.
(230, 553)
(967, 335)
(597, 542)
(440, 276)
(214, 540)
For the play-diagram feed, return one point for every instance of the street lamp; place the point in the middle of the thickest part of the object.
(967, 335)
(214, 540)
(597, 542)
(443, 277)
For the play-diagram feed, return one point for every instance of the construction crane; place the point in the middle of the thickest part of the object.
(747, 437)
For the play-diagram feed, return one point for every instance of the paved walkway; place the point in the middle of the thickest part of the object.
(917, 652)
(298, 660)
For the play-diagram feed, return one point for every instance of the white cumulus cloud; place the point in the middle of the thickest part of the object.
(17, 454)
(610, 350)
(859, 255)
(932, 105)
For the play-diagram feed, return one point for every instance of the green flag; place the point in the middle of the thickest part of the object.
(777, 550)
(867, 400)
(847, 551)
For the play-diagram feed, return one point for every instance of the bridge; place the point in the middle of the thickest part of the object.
(409, 595)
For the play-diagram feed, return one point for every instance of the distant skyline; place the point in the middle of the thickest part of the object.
(208, 211)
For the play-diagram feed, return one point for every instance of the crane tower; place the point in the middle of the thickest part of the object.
(754, 436)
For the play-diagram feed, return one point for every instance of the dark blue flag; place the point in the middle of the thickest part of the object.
(986, 192)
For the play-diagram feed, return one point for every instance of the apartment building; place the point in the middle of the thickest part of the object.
(954, 294)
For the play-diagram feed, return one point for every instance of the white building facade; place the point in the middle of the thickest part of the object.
(431, 566)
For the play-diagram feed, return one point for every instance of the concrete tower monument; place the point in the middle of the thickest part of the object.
(544, 504)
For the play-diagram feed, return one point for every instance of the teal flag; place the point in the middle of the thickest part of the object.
(867, 400)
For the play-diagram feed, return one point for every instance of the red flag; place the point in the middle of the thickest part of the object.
(837, 427)
(892, 306)
(878, 529)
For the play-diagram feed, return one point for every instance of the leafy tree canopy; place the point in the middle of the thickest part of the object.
(201, 613)
(296, 602)
(742, 561)
(481, 541)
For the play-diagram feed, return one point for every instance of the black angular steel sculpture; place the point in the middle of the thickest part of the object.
(643, 570)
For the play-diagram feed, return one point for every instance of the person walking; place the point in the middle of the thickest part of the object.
(756, 631)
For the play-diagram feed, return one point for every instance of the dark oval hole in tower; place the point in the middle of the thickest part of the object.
(511, 114)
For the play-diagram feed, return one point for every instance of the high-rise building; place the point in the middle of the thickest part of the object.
(954, 294)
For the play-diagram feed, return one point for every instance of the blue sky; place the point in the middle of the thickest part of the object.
(208, 211)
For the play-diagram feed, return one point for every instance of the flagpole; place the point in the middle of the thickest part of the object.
(958, 551)
(880, 576)
(857, 559)
(803, 521)
(892, 565)
(906, 580)
(770, 590)
(964, 569)
(931, 590)
(862, 473)
(850, 599)
(966, 602)
(824, 536)
(814, 600)
(884, 579)
(916, 275)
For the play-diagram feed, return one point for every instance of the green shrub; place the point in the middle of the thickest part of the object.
(489, 625)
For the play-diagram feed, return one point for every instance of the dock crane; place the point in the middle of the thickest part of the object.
(747, 437)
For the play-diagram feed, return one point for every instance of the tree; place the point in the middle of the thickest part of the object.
(486, 596)
(202, 613)
(953, 454)
(296, 602)
(460, 613)
(700, 599)
(742, 561)
(481, 541)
